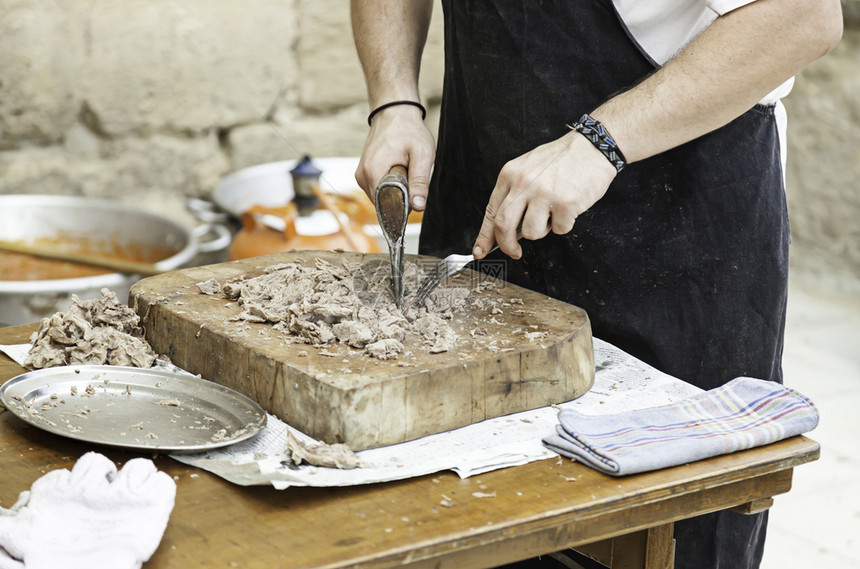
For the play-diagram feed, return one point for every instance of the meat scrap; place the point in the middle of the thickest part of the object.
(330, 456)
(91, 332)
(209, 287)
(385, 349)
(350, 304)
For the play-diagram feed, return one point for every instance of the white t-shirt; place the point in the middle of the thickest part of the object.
(662, 28)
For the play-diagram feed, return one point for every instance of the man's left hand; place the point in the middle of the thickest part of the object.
(543, 190)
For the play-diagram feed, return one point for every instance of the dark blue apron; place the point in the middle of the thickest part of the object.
(683, 263)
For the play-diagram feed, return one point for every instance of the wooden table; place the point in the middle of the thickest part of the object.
(434, 521)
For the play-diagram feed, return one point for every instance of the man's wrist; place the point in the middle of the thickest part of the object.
(582, 149)
(597, 134)
(390, 104)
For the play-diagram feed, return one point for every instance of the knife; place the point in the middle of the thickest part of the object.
(392, 209)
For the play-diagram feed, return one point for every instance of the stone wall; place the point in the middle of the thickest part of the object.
(104, 98)
(823, 174)
(152, 101)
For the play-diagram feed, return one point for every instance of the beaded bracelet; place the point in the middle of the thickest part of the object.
(594, 131)
(391, 104)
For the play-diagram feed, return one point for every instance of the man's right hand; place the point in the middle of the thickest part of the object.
(398, 135)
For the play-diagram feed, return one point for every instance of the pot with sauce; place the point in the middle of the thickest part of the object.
(32, 288)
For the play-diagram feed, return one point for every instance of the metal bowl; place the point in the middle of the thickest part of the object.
(27, 217)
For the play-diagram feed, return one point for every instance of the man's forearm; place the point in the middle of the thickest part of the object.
(740, 58)
(389, 37)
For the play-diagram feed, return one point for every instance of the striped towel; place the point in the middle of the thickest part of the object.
(741, 414)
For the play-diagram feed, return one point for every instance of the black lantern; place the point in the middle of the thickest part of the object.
(305, 176)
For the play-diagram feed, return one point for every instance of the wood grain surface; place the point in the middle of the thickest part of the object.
(536, 352)
(495, 518)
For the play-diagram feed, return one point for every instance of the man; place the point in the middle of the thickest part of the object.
(661, 212)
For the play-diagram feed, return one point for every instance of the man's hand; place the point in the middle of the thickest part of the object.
(543, 190)
(398, 135)
(735, 62)
(389, 38)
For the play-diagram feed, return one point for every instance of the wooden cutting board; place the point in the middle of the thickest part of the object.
(532, 352)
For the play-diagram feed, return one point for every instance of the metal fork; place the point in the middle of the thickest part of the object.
(448, 266)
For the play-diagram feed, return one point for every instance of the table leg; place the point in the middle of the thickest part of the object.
(754, 507)
(653, 548)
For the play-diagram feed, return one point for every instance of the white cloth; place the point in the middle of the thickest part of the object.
(90, 518)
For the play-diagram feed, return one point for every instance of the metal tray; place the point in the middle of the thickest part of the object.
(133, 408)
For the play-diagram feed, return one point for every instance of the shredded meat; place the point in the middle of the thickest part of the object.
(385, 349)
(209, 287)
(350, 304)
(101, 331)
(331, 456)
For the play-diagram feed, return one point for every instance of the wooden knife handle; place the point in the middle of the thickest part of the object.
(392, 203)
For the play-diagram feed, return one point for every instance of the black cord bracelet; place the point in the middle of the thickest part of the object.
(594, 131)
(391, 104)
